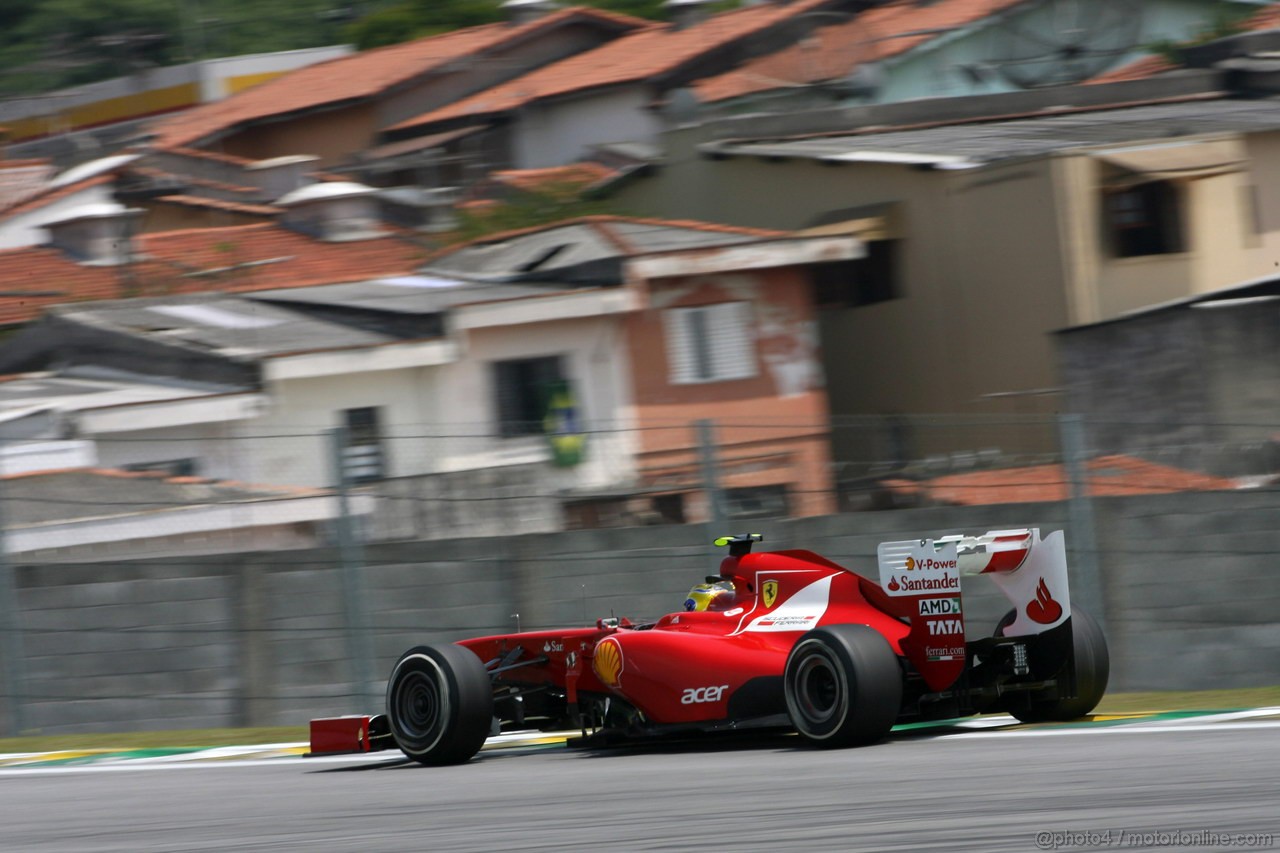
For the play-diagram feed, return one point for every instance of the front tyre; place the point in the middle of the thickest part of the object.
(843, 686)
(439, 704)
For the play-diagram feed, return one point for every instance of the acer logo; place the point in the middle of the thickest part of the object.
(698, 695)
(945, 626)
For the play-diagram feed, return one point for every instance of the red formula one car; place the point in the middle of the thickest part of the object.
(781, 639)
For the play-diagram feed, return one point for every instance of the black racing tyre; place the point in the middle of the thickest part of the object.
(1092, 664)
(843, 686)
(439, 704)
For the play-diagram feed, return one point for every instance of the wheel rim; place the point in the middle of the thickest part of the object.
(818, 689)
(417, 705)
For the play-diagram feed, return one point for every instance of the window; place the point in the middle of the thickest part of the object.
(171, 467)
(362, 458)
(864, 281)
(1144, 220)
(710, 343)
(523, 386)
(757, 502)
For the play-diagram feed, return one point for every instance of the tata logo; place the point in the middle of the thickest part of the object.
(939, 607)
(699, 695)
(769, 592)
(945, 626)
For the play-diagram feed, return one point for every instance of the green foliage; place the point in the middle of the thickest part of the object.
(526, 210)
(415, 18)
(51, 44)
(1225, 23)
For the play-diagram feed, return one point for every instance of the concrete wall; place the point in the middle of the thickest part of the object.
(1187, 386)
(1187, 600)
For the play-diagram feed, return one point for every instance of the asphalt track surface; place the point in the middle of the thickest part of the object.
(981, 791)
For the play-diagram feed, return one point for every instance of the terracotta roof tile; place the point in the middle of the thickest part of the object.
(219, 204)
(358, 76)
(636, 57)
(569, 179)
(1108, 476)
(21, 179)
(152, 172)
(49, 196)
(1147, 66)
(231, 259)
(833, 51)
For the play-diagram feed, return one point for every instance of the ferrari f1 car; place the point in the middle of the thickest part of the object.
(781, 639)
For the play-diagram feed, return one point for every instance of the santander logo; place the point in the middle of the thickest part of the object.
(894, 586)
(1044, 609)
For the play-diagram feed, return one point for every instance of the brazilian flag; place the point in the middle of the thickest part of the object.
(562, 425)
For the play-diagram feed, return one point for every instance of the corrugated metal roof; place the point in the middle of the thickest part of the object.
(200, 322)
(990, 141)
(400, 295)
(539, 254)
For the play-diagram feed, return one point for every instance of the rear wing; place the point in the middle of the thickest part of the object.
(923, 576)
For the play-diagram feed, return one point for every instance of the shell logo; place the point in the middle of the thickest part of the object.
(608, 662)
(911, 563)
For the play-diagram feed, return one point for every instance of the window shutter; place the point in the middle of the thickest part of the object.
(682, 363)
(730, 330)
(710, 343)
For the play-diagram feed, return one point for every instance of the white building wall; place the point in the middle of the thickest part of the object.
(290, 444)
(217, 455)
(594, 362)
(26, 229)
(559, 132)
(433, 419)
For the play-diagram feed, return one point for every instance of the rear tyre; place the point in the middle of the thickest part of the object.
(439, 704)
(843, 686)
(1092, 664)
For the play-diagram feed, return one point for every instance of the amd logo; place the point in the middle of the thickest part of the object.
(698, 695)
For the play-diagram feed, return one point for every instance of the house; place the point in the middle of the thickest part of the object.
(1194, 382)
(555, 114)
(990, 222)
(904, 50)
(1254, 40)
(93, 247)
(98, 118)
(527, 381)
(336, 108)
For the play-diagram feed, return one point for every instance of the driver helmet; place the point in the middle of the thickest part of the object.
(710, 595)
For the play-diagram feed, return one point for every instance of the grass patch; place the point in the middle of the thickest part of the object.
(1189, 700)
(1112, 703)
(156, 740)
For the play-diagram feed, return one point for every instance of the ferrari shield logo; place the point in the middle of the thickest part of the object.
(770, 592)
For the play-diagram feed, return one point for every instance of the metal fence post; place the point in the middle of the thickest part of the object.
(11, 646)
(1086, 584)
(716, 516)
(351, 555)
